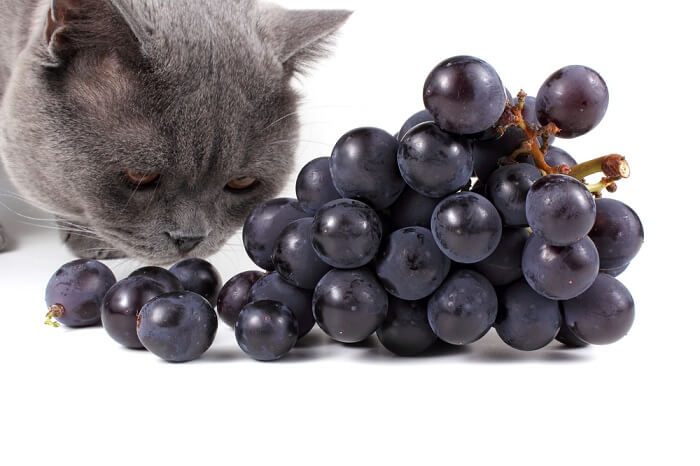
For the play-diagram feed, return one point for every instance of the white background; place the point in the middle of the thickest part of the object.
(76, 397)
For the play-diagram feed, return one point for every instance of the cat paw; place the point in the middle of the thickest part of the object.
(4, 242)
(90, 248)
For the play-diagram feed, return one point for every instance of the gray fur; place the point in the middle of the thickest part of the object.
(198, 91)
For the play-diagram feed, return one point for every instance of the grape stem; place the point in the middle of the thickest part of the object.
(612, 166)
(55, 312)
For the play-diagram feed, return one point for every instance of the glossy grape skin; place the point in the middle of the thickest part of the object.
(234, 296)
(198, 276)
(122, 304)
(350, 305)
(79, 287)
(263, 226)
(466, 227)
(464, 95)
(560, 272)
(560, 209)
(363, 167)
(177, 327)
(412, 210)
(526, 321)
(266, 330)
(617, 233)
(416, 119)
(463, 309)
(434, 162)
(346, 234)
(504, 265)
(406, 330)
(488, 153)
(507, 189)
(411, 266)
(567, 337)
(274, 288)
(556, 156)
(575, 98)
(294, 256)
(162, 276)
(603, 314)
(615, 271)
(314, 185)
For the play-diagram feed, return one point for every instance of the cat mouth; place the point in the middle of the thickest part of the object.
(156, 253)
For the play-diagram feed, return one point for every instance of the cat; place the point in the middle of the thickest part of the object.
(151, 127)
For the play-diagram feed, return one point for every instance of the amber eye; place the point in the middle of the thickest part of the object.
(239, 184)
(140, 180)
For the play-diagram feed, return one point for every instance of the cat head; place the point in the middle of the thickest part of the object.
(159, 123)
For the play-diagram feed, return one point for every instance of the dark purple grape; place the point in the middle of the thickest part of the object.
(504, 265)
(363, 167)
(488, 153)
(615, 271)
(264, 225)
(526, 321)
(556, 157)
(433, 162)
(575, 98)
(464, 95)
(314, 186)
(463, 309)
(507, 189)
(603, 314)
(411, 266)
(75, 292)
(162, 276)
(177, 327)
(122, 304)
(266, 330)
(412, 210)
(421, 117)
(406, 330)
(346, 234)
(560, 272)
(235, 295)
(466, 227)
(350, 305)
(567, 337)
(294, 256)
(617, 233)
(273, 287)
(198, 276)
(560, 209)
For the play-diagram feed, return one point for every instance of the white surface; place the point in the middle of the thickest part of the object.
(75, 397)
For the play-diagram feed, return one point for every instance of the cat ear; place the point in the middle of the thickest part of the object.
(301, 37)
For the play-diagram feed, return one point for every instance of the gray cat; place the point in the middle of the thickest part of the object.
(151, 127)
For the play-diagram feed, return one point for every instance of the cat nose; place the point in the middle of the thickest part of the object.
(185, 243)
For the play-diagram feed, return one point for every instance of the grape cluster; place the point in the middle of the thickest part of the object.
(469, 219)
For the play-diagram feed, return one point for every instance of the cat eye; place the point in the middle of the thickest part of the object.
(140, 180)
(239, 184)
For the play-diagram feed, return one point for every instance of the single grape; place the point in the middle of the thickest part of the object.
(463, 309)
(567, 337)
(75, 292)
(346, 234)
(488, 153)
(314, 186)
(235, 295)
(263, 226)
(266, 330)
(560, 272)
(464, 95)
(273, 287)
(603, 314)
(177, 327)
(526, 321)
(412, 210)
(363, 167)
(121, 306)
(198, 276)
(406, 330)
(466, 227)
(350, 305)
(615, 271)
(294, 256)
(503, 267)
(560, 209)
(617, 233)
(433, 162)
(411, 266)
(421, 117)
(575, 98)
(162, 276)
(556, 156)
(507, 189)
